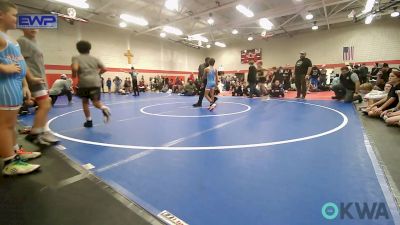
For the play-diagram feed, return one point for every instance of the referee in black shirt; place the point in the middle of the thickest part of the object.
(203, 78)
(302, 71)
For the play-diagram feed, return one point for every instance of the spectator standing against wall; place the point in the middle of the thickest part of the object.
(109, 83)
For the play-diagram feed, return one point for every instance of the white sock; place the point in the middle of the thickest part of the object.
(37, 130)
(16, 147)
(89, 118)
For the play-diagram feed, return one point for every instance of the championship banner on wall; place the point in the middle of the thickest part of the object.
(251, 54)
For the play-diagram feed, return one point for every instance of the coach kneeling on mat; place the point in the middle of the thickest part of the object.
(349, 86)
(61, 87)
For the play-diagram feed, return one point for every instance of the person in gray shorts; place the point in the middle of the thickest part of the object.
(89, 69)
(35, 63)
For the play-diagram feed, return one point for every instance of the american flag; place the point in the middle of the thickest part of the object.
(348, 53)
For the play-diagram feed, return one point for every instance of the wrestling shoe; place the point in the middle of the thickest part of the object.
(106, 114)
(18, 167)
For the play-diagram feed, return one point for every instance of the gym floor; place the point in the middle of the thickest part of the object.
(251, 161)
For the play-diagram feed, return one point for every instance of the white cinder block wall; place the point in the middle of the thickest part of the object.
(378, 41)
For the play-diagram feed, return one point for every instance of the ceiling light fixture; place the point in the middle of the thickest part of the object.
(245, 11)
(123, 25)
(369, 6)
(234, 31)
(369, 18)
(266, 24)
(309, 16)
(220, 44)
(315, 26)
(395, 13)
(210, 20)
(133, 19)
(250, 38)
(172, 5)
(172, 30)
(163, 35)
(197, 37)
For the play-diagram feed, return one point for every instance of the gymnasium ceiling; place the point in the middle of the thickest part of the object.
(288, 16)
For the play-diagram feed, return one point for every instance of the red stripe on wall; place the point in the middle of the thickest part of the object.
(331, 66)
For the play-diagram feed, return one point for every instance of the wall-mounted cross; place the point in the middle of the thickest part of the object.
(129, 55)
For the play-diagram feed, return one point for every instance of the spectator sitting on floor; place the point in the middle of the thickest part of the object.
(374, 96)
(60, 87)
(337, 87)
(390, 102)
(165, 88)
(287, 77)
(349, 86)
(363, 74)
(142, 86)
(237, 89)
(314, 79)
(262, 78)
(189, 89)
(129, 88)
(277, 90)
(220, 86)
(178, 86)
(366, 88)
(293, 84)
(374, 72)
(245, 89)
(117, 81)
(126, 85)
(170, 84)
(335, 80)
(393, 116)
(322, 82)
(279, 75)
(383, 77)
(323, 76)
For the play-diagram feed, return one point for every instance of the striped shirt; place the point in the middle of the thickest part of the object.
(11, 84)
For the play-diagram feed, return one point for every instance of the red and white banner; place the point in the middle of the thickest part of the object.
(251, 54)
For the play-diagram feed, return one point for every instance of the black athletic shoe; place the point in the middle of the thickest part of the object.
(88, 124)
(334, 97)
(196, 105)
(297, 97)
